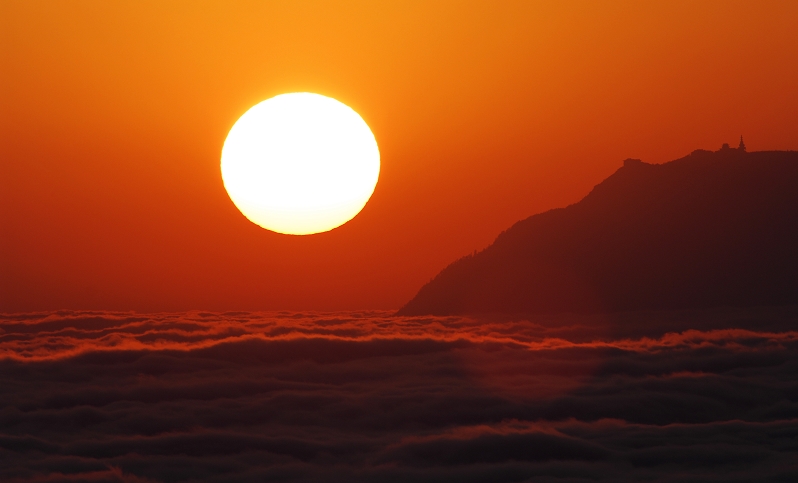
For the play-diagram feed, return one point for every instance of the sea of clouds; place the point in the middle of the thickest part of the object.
(366, 396)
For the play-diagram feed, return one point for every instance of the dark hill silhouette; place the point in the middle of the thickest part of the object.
(710, 229)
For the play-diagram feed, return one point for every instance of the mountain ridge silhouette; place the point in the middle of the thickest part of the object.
(714, 228)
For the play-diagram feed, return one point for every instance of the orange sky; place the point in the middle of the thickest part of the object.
(113, 115)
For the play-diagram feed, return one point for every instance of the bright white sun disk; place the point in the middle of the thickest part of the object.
(300, 163)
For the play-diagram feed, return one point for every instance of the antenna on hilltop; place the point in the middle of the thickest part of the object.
(741, 147)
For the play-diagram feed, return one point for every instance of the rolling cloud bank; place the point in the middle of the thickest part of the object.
(696, 395)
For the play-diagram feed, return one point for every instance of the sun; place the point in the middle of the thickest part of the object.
(300, 163)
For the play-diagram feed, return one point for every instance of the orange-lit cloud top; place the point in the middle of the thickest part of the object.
(113, 116)
(58, 336)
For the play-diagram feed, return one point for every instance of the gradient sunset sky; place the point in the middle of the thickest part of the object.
(113, 115)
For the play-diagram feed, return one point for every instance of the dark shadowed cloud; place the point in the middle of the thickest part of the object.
(705, 395)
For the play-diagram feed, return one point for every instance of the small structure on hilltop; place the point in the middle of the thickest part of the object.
(726, 148)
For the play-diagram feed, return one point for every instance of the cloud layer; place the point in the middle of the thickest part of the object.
(89, 396)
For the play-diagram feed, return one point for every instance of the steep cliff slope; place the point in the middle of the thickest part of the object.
(710, 229)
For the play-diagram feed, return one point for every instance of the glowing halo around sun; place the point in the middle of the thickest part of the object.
(300, 163)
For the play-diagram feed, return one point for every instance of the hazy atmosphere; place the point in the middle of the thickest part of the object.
(398, 241)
